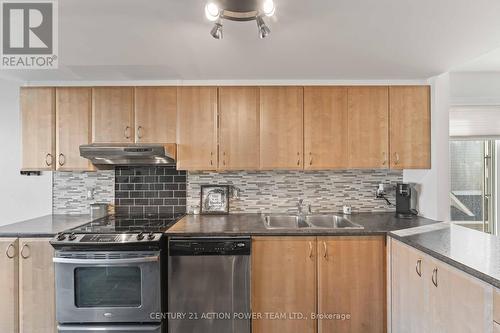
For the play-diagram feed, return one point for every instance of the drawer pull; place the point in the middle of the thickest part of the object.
(418, 267)
(7, 253)
(435, 277)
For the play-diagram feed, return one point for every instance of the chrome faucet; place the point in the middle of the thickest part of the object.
(300, 207)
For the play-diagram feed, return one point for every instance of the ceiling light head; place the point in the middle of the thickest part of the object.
(216, 31)
(264, 30)
(268, 7)
(212, 11)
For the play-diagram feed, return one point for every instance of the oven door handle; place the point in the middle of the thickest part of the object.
(106, 261)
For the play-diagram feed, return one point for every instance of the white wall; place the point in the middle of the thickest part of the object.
(434, 185)
(21, 197)
(475, 88)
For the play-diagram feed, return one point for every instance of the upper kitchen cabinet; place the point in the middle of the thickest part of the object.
(155, 114)
(325, 128)
(113, 115)
(410, 127)
(239, 128)
(73, 127)
(38, 119)
(197, 128)
(368, 127)
(281, 128)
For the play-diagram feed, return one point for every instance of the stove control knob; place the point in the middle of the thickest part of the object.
(140, 236)
(151, 236)
(61, 236)
(72, 236)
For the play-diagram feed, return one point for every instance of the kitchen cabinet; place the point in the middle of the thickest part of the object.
(284, 282)
(27, 286)
(368, 127)
(155, 114)
(281, 128)
(38, 121)
(325, 128)
(113, 115)
(352, 280)
(496, 305)
(9, 279)
(410, 127)
(73, 127)
(447, 300)
(197, 128)
(239, 122)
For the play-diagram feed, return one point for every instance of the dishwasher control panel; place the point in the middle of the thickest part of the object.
(209, 246)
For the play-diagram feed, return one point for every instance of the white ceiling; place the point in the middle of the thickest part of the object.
(311, 40)
(489, 62)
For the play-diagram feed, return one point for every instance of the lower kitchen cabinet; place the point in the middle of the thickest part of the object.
(352, 281)
(27, 300)
(341, 279)
(431, 296)
(283, 283)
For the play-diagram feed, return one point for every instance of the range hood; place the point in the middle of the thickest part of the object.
(128, 154)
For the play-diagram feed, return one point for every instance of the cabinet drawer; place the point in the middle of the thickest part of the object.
(496, 306)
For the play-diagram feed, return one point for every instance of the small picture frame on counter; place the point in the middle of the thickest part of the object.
(214, 199)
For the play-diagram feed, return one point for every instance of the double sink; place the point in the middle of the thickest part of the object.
(323, 221)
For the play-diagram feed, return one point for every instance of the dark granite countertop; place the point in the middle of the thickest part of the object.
(252, 224)
(45, 226)
(471, 251)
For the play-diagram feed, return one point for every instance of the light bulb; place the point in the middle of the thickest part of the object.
(212, 11)
(268, 8)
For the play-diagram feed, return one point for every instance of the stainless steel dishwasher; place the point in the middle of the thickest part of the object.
(209, 285)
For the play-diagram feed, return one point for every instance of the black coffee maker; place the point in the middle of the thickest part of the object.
(406, 199)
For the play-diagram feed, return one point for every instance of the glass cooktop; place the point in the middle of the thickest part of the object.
(127, 224)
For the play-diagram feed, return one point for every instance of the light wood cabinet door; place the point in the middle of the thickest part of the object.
(73, 127)
(197, 128)
(325, 128)
(38, 121)
(496, 305)
(352, 281)
(155, 114)
(9, 277)
(113, 115)
(410, 127)
(36, 286)
(368, 129)
(239, 128)
(284, 281)
(281, 128)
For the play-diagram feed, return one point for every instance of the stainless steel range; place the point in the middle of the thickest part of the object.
(108, 275)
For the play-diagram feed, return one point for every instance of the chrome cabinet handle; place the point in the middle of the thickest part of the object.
(310, 158)
(211, 158)
(435, 277)
(298, 159)
(325, 248)
(310, 250)
(139, 132)
(127, 132)
(418, 267)
(48, 159)
(384, 156)
(396, 158)
(11, 246)
(22, 251)
(224, 158)
(62, 159)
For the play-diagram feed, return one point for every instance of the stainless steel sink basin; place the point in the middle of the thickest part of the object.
(284, 222)
(330, 222)
(308, 222)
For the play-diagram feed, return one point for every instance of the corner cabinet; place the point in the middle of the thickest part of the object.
(428, 295)
(328, 284)
(410, 127)
(27, 286)
(37, 119)
(281, 128)
(197, 128)
(368, 129)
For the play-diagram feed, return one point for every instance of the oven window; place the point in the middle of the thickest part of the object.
(97, 287)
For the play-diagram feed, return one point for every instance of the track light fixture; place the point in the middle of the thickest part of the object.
(238, 10)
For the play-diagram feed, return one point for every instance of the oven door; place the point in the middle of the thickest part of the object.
(103, 287)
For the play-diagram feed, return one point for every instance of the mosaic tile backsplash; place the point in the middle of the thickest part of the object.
(279, 191)
(70, 190)
(150, 190)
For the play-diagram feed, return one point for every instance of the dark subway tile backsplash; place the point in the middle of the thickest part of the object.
(154, 190)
